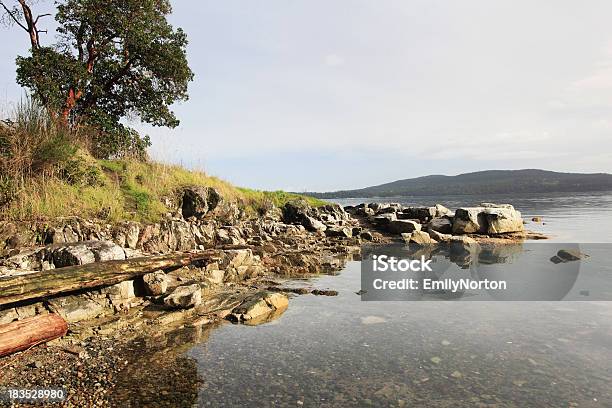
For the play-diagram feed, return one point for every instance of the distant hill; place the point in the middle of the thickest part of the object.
(483, 182)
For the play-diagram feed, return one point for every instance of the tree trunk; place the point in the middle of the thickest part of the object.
(23, 334)
(52, 282)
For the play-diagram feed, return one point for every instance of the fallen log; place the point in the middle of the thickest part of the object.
(52, 282)
(23, 334)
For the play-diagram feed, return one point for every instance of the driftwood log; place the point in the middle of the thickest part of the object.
(52, 282)
(23, 334)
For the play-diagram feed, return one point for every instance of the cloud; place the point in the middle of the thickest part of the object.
(333, 60)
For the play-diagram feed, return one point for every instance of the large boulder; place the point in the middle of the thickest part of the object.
(502, 218)
(85, 252)
(469, 220)
(301, 213)
(198, 201)
(487, 219)
(402, 226)
(383, 220)
(442, 225)
(442, 211)
(422, 214)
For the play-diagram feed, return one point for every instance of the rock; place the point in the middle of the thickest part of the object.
(324, 292)
(442, 225)
(384, 219)
(301, 213)
(131, 235)
(184, 297)
(463, 241)
(366, 235)
(419, 238)
(312, 224)
(73, 255)
(106, 251)
(502, 218)
(568, 255)
(386, 210)
(155, 283)
(85, 252)
(198, 201)
(442, 211)
(7, 316)
(339, 232)
(438, 236)
(536, 219)
(402, 226)
(215, 276)
(422, 214)
(79, 307)
(258, 305)
(469, 220)
(123, 290)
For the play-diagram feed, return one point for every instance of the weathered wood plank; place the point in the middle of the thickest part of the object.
(23, 334)
(52, 282)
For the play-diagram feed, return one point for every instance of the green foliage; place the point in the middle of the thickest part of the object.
(264, 200)
(113, 59)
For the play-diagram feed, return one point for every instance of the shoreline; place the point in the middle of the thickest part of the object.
(249, 277)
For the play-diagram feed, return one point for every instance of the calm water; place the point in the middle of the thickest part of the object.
(340, 351)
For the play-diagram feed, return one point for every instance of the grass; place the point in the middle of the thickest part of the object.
(125, 190)
(47, 171)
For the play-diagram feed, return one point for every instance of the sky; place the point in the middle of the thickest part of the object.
(312, 95)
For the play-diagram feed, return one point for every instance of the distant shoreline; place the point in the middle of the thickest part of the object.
(487, 182)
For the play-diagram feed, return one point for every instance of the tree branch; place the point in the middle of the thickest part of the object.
(10, 13)
(42, 15)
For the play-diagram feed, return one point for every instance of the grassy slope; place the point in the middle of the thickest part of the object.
(124, 190)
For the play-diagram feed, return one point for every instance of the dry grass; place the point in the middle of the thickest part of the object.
(125, 190)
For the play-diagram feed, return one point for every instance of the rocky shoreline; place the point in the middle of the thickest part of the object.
(245, 277)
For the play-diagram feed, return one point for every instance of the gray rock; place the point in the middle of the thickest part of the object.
(73, 255)
(84, 253)
(442, 211)
(198, 201)
(79, 307)
(184, 297)
(487, 219)
(502, 218)
(384, 219)
(442, 225)
(422, 214)
(469, 220)
(312, 224)
(339, 232)
(402, 226)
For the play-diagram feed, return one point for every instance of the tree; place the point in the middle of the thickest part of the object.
(113, 59)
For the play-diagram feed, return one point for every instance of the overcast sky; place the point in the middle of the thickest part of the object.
(325, 95)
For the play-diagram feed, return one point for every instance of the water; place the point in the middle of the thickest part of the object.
(340, 351)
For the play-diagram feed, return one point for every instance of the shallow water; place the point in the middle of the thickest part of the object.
(340, 351)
